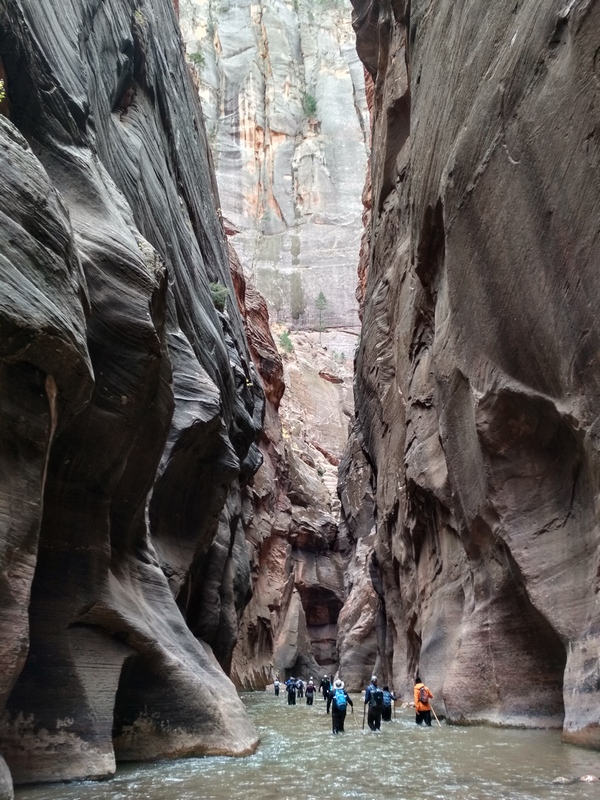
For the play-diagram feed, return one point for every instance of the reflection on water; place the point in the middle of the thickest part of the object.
(299, 759)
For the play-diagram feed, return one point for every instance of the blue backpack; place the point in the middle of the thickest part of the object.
(387, 699)
(339, 698)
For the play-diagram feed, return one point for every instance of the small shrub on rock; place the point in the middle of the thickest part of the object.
(219, 295)
(286, 342)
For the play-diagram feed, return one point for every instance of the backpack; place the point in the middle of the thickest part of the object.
(387, 699)
(339, 698)
(423, 695)
(376, 697)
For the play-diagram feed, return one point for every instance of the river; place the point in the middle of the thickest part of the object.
(299, 759)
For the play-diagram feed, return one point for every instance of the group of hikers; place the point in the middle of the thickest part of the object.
(377, 701)
(296, 687)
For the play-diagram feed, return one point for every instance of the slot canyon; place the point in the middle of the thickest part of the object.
(299, 354)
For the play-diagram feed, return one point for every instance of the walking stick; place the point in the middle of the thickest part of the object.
(364, 715)
(354, 718)
(435, 715)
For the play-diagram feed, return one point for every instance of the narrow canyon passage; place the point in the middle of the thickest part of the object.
(299, 376)
(299, 759)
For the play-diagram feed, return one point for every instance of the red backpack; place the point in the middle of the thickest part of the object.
(423, 695)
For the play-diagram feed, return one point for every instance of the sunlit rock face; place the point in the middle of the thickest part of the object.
(129, 404)
(283, 96)
(477, 376)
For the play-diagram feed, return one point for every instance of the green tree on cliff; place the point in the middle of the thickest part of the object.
(309, 105)
(321, 304)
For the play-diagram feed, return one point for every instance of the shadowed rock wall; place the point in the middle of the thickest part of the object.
(289, 626)
(129, 404)
(477, 390)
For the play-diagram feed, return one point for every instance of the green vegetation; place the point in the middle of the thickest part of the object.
(297, 296)
(286, 342)
(321, 304)
(2, 90)
(210, 25)
(219, 295)
(139, 17)
(330, 5)
(198, 60)
(309, 105)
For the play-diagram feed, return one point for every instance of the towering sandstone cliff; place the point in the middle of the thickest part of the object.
(470, 486)
(129, 404)
(283, 96)
(289, 626)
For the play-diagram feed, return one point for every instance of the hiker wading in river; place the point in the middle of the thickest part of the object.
(339, 701)
(388, 699)
(374, 698)
(422, 707)
(290, 685)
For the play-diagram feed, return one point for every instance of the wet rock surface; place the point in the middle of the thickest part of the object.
(476, 387)
(130, 405)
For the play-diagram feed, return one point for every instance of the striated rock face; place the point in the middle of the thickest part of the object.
(284, 100)
(476, 387)
(129, 404)
(289, 627)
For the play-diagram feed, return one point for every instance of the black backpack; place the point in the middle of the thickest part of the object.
(423, 695)
(376, 697)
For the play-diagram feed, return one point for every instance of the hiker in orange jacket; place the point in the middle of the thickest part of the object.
(422, 707)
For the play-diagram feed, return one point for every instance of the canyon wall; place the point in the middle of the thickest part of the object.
(282, 93)
(130, 406)
(283, 97)
(470, 484)
(289, 626)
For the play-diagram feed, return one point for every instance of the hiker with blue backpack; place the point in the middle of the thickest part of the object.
(386, 711)
(374, 699)
(339, 700)
(290, 685)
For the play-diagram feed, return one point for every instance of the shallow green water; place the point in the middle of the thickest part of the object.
(299, 759)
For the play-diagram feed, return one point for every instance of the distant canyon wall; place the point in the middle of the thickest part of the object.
(284, 101)
(470, 484)
(289, 626)
(130, 406)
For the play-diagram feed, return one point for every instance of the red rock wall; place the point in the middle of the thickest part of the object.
(477, 376)
(289, 625)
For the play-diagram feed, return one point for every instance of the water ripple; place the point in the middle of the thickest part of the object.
(299, 759)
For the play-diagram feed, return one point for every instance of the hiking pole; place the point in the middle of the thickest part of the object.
(354, 718)
(364, 715)
(435, 715)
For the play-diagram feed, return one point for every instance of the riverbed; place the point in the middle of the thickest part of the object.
(300, 759)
